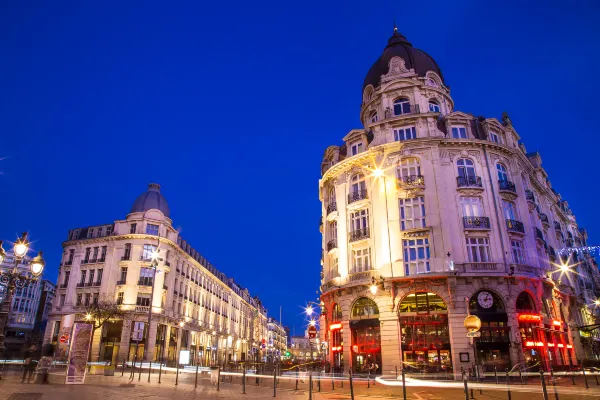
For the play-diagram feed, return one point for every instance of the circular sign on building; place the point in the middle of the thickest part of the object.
(312, 332)
(64, 338)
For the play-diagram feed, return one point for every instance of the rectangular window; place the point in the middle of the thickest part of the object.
(120, 298)
(91, 280)
(459, 132)
(405, 133)
(133, 228)
(471, 206)
(478, 249)
(88, 298)
(356, 148)
(100, 231)
(148, 251)
(87, 254)
(361, 260)
(416, 256)
(61, 301)
(99, 277)
(333, 268)
(71, 255)
(83, 275)
(359, 220)
(127, 253)
(143, 299)
(412, 213)
(518, 252)
(510, 210)
(90, 233)
(146, 276)
(152, 229)
(108, 230)
(79, 297)
(67, 276)
(103, 254)
(95, 255)
(95, 298)
(494, 137)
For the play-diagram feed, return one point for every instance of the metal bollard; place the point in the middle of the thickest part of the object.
(310, 388)
(545, 392)
(333, 380)
(123, 368)
(596, 376)
(149, 371)
(218, 378)
(177, 373)
(274, 382)
(508, 385)
(351, 386)
(319, 382)
(521, 376)
(132, 373)
(403, 384)
(466, 385)
(297, 373)
(496, 374)
(140, 372)
(584, 377)
(368, 379)
(554, 384)
(160, 369)
(572, 373)
(244, 380)
(196, 382)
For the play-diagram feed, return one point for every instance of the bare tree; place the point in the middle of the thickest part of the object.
(102, 311)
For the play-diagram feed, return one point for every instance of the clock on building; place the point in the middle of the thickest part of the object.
(485, 299)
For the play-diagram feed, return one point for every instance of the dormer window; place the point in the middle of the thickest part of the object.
(405, 133)
(356, 148)
(373, 117)
(401, 106)
(494, 137)
(434, 106)
(459, 132)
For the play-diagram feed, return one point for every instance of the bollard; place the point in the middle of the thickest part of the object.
(368, 379)
(132, 374)
(149, 371)
(244, 380)
(464, 377)
(297, 373)
(396, 367)
(310, 388)
(403, 384)
(554, 384)
(177, 373)
(140, 372)
(196, 383)
(584, 377)
(596, 376)
(521, 376)
(160, 369)
(319, 382)
(545, 392)
(333, 380)
(572, 373)
(508, 385)
(496, 373)
(274, 382)
(351, 386)
(218, 378)
(123, 368)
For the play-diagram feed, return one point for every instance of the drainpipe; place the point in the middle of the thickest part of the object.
(487, 163)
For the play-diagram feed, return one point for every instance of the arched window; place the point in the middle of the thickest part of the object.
(423, 303)
(401, 106)
(331, 195)
(408, 169)
(336, 313)
(485, 301)
(502, 173)
(525, 303)
(466, 168)
(434, 106)
(364, 308)
(357, 183)
(373, 117)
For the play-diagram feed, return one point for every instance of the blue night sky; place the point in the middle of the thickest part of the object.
(229, 106)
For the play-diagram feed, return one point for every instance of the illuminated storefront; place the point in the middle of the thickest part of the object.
(336, 339)
(425, 339)
(366, 342)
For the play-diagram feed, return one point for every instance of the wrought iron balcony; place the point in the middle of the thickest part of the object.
(537, 233)
(557, 226)
(67, 263)
(476, 222)
(332, 244)
(469, 181)
(126, 257)
(411, 180)
(85, 261)
(515, 226)
(359, 234)
(507, 186)
(544, 218)
(357, 195)
(122, 282)
(530, 196)
(145, 282)
(331, 207)
(63, 285)
(81, 284)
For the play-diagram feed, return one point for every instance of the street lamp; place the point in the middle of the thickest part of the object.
(12, 279)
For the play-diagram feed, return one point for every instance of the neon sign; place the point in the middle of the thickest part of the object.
(334, 327)
(529, 318)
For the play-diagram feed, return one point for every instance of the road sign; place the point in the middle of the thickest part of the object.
(264, 346)
(64, 339)
(473, 334)
(312, 332)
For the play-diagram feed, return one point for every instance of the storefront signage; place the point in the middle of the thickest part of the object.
(529, 318)
(184, 357)
(557, 323)
(338, 348)
(464, 357)
(534, 344)
(334, 327)
(78, 353)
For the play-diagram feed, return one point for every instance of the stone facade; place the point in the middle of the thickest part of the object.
(430, 214)
(194, 307)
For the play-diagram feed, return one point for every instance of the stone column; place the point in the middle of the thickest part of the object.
(390, 343)
(458, 338)
(347, 336)
(125, 338)
(151, 342)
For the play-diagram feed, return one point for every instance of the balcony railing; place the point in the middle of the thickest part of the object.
(411, 180)
(551, 252)
(331, 207)
(544, 218)
(145, 282)
(144, 309)
(122, 282)
(523, 268)
(469, 181)
(81, 284)
(557, 226)
(507, 186)
(85, 261)
(476, 222)
(357, 195)
(63, 285)
(530, 196)
(483, 267)
(537, 233)
(359, 234)
(332, 244)
(515, 226)
(67, 263)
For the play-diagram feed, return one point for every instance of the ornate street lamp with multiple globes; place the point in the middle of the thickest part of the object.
(11, 279)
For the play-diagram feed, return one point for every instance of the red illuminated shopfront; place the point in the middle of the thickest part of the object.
(336, 339)
(365, 334)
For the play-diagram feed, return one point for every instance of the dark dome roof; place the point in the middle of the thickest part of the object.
(398, 46)
(152, 199)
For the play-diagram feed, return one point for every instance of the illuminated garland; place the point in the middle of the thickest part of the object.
(593, 250)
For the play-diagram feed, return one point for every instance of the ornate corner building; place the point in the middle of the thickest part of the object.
(430, 214)
(195, 307)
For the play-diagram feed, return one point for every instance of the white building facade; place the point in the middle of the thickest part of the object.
(194, 307)
(430, 214)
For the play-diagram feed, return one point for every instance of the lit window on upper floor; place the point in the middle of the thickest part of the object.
(356, 148)
(373, 117)
(405, 133)
(401, 106)
(152, 229)
(459, 132)
(502, 173)
(434, 106)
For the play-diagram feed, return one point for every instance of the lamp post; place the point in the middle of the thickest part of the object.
(12, 279)
(155, 257)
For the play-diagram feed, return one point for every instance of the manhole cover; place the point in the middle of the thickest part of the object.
(25, 396)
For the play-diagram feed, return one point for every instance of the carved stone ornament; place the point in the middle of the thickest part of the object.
(397, 69)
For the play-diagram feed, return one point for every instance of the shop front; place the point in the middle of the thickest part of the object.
(365, 333)
(423, 318)
(336, 339)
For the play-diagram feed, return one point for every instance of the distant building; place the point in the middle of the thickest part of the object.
(276, 340)
(300, 349)
(48, 292)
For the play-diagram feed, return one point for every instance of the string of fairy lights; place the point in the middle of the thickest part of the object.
(580, 251)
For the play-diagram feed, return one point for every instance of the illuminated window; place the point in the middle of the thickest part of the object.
(502, 174)
(478, 249)
(416, 256)
(152, 229)
(412, 213)
(365, 308)
(361, 260)
(518, 252)
(357, 183)
(434, 106)
(373, 117)
(405, 133)
(148, 251)
(408, 170)
(471, 206)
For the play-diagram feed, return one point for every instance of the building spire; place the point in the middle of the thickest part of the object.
(395, 27)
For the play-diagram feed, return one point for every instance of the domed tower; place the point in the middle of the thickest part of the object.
(423, 208)
(151, 199)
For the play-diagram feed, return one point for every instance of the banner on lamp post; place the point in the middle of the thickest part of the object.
(81, 340)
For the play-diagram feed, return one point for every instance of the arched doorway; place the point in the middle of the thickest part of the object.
(493, 345)
(423, 320)
(366, 341)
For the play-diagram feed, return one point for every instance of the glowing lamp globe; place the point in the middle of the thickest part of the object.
(37, 265)
(472, 323)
